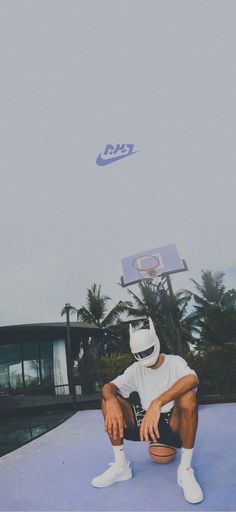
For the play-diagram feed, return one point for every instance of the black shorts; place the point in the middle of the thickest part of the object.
(167, 436)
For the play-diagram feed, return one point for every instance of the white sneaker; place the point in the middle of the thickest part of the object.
(114, 473)
(192, 490)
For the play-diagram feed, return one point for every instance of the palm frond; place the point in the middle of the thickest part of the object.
(115, 313)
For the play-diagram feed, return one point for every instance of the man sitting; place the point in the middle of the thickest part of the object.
(167, 411)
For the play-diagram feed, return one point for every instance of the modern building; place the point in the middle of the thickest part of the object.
(38, 362)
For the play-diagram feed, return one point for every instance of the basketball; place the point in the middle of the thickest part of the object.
(161, 453)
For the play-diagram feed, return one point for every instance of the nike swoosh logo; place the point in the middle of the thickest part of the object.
(103, 161)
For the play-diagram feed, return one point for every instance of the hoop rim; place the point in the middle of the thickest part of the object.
(148, 269)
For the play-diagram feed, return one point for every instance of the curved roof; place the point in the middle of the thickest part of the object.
(76, 325)
(46, 331)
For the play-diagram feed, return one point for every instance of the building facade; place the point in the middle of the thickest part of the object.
(37, 361)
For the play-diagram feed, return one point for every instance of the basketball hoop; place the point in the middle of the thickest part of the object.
(146, 265)
(151, 263)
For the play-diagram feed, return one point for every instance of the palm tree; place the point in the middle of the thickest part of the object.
(96, 312)
(156, 303)
(182, 299)
(212, 288)
(115, 364)
(66, 308)
(214, 315)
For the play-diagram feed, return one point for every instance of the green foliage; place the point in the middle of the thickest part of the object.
(103, 369)
(214, 316)
(208, 333)
(212, 288)
(112, 366)
(156, 303)
(96, 310)
(216, 369)
(213, 357)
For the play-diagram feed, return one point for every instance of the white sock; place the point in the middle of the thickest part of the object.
(186, 458)
(119, 453)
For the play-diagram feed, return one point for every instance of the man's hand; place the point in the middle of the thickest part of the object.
(149, 427)
(114, 420)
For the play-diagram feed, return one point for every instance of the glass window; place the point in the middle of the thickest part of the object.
(60, 368)
(46, 355)
(31, 364)
(10, 368)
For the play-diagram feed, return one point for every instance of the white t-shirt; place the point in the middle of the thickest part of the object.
(151, 383)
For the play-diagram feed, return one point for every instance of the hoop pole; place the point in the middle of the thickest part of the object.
(178, 343)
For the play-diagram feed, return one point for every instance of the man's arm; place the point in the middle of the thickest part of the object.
(149, 426)
(182, 386)
(114, 419)
(109, 391)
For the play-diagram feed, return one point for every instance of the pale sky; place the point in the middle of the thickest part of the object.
(77, 75)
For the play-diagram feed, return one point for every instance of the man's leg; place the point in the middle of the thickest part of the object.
(120, 470)
(184, 420)
(127, 414)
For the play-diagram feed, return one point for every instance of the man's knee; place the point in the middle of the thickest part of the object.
(126, 411)
(187, 403)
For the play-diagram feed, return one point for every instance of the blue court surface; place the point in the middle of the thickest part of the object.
(53, 472)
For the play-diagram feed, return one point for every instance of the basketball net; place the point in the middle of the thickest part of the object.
(148, 273)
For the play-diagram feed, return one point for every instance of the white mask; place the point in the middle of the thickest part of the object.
(145, 340)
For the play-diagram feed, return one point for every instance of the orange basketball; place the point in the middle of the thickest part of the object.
(162, 453)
